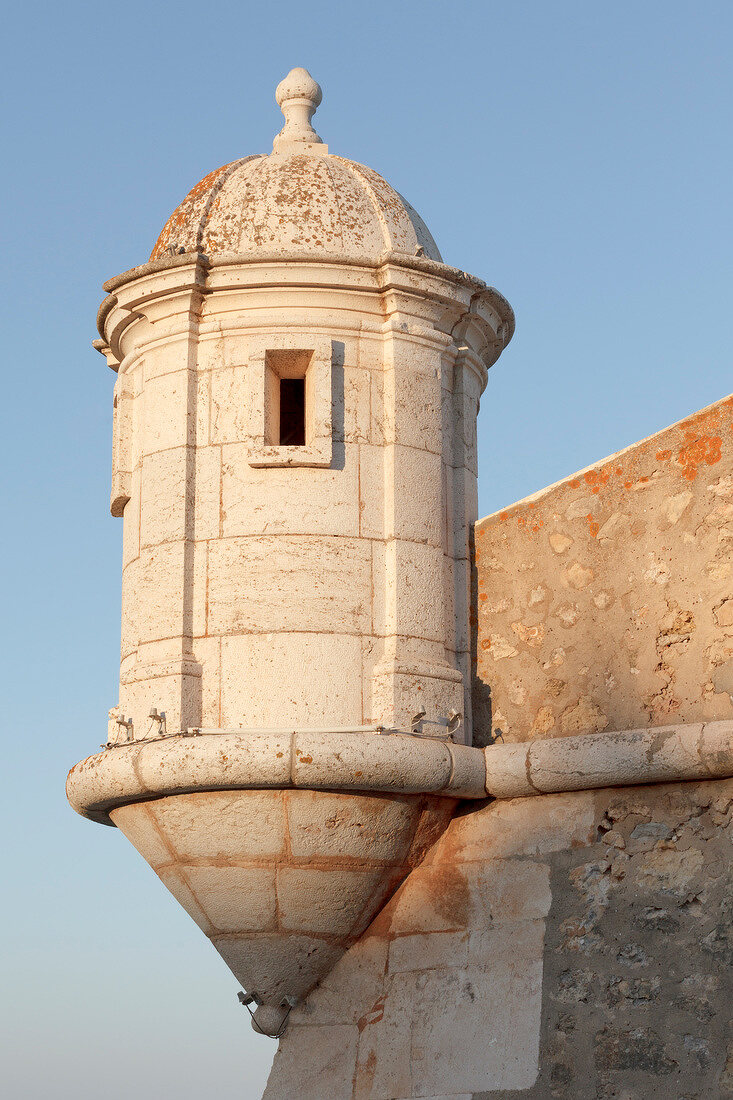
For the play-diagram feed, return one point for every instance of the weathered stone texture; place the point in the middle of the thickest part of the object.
(569, 945)
(638, 949)
(604, 602)
(282, 881)
(572, 946)
(267, 566)
(320, 583)
(305, 202)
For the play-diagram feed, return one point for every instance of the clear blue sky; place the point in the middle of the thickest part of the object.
(576, 155)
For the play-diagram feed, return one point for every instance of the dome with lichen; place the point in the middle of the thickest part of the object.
(298, 199)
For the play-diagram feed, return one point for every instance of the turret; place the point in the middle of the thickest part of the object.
(298, 381)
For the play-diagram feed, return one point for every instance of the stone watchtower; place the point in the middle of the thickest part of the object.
(298, 380)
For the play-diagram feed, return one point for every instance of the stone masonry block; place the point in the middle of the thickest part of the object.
(175, 880)
(275, 583)
(131, 521)
(159, 585)
(235, 899)
(142, 831)
(207, 497)
(408, 575)
(229, 393)
(330, 901)
(357, 405)
(449, 1014)
(165, 407)
(274, 964)
(415, 505)
(371, 491)
(321, 1067)
(428, 952)
(302, 500)
(523, 827)
(167, 495)
(222, 824)
(349, 825)
(414, 403)
(278, 680)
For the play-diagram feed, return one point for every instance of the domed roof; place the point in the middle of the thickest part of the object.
(297, 199)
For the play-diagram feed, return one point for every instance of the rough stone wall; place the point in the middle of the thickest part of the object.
(638, 950)
(572, 945)
(604, 601)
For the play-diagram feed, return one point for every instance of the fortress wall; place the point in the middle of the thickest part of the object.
(606, 600)
(573, 946)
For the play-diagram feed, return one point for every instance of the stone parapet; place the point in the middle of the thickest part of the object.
(307, 759)
(394, 762)
(660, 754)
(604, 602)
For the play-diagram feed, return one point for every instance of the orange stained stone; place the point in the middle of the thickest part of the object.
(699, 449)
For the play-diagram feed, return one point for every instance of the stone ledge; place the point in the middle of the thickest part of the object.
(309, 760)
(395, 764)
(660, 754)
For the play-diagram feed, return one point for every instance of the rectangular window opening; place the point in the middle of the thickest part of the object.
(289, 383)
(290, 401)
(292, 412)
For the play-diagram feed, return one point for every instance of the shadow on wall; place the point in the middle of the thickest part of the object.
(483, 726)
(338, 356)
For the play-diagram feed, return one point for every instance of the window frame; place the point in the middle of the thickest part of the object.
(270, 359)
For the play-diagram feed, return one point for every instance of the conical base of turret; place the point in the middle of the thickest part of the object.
(283, 881)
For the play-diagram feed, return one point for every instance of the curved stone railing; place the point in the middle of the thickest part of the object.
(396, 764)
(306, 759)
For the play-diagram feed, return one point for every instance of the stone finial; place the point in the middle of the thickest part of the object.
(298, 96)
